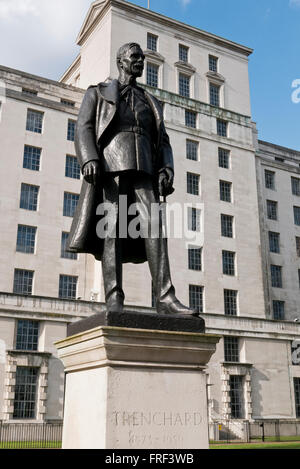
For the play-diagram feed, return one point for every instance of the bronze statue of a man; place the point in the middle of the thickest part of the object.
(124, 150)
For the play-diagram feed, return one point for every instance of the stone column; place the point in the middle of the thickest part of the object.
(130, 388)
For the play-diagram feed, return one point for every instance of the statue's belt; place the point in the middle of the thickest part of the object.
(133, 128)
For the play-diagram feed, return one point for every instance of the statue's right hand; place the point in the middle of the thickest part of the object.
(91, 172)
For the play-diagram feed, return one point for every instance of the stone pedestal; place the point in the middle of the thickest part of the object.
(130, 388)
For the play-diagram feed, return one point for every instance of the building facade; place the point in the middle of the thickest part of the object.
(236, 205)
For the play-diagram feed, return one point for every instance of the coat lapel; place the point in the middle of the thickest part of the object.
(108, 98)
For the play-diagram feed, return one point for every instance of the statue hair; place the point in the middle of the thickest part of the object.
(123, 49)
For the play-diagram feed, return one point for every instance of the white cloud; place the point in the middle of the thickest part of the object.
(14, 8)
(38, 36)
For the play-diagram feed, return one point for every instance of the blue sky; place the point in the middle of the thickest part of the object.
(41, 41)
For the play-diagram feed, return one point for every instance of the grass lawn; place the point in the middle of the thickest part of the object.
(30, 445)
(275, 445)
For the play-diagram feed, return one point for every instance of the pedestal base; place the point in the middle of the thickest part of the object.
(132, 388)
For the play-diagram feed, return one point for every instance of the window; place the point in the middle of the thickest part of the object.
(190, 119)
(212, 63)
(195, 254)
(297, 215)
(236, 394)
(278, 310)
(196, 297)
(276, 276)
(72, 167)
(152, 75)
(27, 335)
(25, 392)
(29, 197)
(227, 226)
(214, 95)
(223, 158)
(26, 239)
(184, 85)
(269, 179)
(70, 204)
(194, 219)
(192, 183)
(228, 260)
(71, 130)
(23, 280)
(295, 186)
(67, 287)
(225, 191)
(29, 92)
(271, 210)
(152, 42)
(63, 253)
(298, 246)
(231, 349)
(183, 53)
(230, 302)
(274, 242)
(68, 103)
(34, 121)
(32, 156)
(221, 128)
(297, 396)
(192, 149)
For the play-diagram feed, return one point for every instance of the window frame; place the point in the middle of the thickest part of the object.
(27, 282)
(29, 197)
(71, 288)
(35, 123)
(195, 258)
(29, 239)
(196, 297)
(27, 410)
(228, 263)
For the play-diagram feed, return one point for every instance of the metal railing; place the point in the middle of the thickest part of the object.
(226, 431)
(30, 435)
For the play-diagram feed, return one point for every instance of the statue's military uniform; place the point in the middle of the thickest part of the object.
(131, 144)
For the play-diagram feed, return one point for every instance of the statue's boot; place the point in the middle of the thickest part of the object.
(171, 305)
(115, 302)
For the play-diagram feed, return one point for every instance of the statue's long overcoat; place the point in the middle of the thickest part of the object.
(95, 117)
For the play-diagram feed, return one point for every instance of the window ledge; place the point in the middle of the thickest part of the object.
(236, 364)
(185, 67)
(155, 57)
(215, 77)
(29, 352)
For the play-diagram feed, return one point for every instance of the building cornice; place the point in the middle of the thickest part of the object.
(73, 67)
(160, 19)
(274, 149)
(198, 106)
(56, 309)
(29, 76)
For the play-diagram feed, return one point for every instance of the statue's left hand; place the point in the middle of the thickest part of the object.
(165, 182)
(91, 171)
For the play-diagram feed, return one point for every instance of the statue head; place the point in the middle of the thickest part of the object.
(130, 60)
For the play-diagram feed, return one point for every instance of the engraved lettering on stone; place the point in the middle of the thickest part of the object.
(159, 418)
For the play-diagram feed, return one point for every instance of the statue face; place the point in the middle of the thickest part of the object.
(132, 63)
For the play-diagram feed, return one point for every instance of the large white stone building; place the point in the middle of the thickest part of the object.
(240, 198)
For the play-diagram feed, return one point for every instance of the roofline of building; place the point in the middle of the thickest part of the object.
(279, 147)
(180, 26)
(71, 68)
(40, 78)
